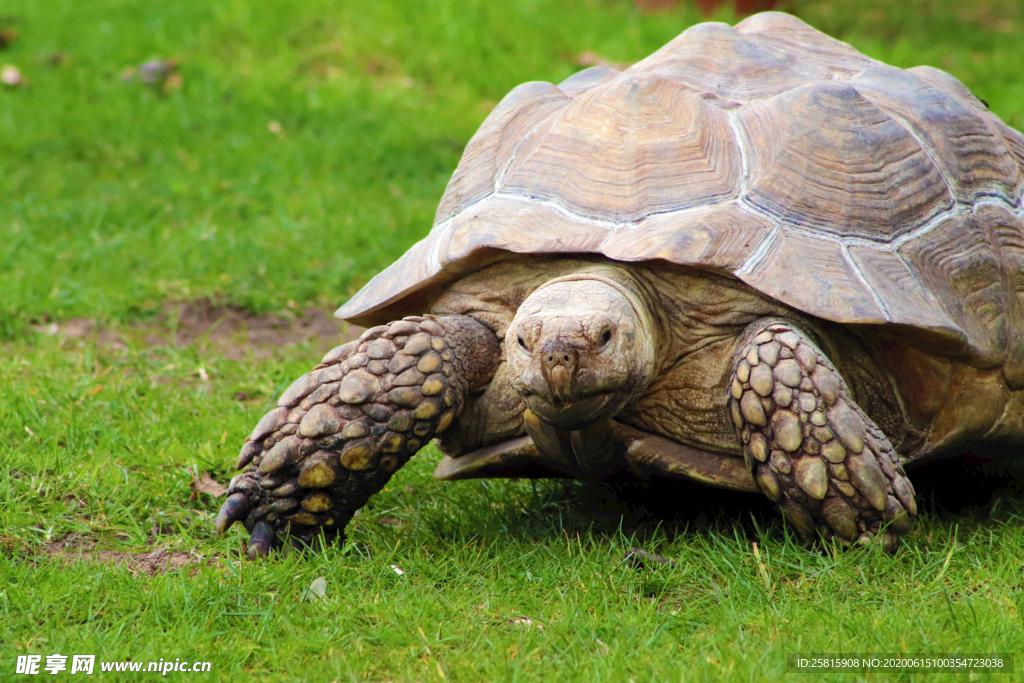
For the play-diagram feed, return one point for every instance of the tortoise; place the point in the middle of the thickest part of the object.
(757, 259)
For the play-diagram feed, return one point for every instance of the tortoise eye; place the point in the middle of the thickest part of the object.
(523, 344)
(606, 337)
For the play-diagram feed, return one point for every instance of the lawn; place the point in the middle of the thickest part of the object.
(168, 251)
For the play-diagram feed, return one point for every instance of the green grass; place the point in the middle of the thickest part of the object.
(118, 198)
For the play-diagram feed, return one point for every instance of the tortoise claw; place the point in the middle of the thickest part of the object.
(260, 540)
(233, 509)
(250, 449)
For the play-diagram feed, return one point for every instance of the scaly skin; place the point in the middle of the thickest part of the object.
(810, 447)
(343, 429)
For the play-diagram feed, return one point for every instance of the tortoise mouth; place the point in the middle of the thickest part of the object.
(574, 413)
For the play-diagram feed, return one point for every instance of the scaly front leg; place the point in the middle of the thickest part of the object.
(343, 429)
(810, 447)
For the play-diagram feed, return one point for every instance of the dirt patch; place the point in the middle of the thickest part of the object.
(231, 330)
(156, 561)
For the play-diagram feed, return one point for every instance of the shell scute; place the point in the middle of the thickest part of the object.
(721, 237)
(715, 58)
(957, 263)
(517, 225)
(824, 157)
(1006, 235)
(811, 52)
(652, 145)
(906, 300)
(973, 157)
(816, 270)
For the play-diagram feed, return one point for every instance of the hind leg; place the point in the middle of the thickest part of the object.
(810, 447)
(342, 430)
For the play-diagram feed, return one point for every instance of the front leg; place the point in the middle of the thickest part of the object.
(341, 430)
(810, 447)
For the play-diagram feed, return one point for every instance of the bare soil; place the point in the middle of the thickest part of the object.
(158, 560)
(231, 330)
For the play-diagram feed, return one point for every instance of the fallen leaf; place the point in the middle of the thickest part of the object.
(638, 559)
(205, 484)
(161, 74)
(155, 70)
(317, 589)
(398, 570)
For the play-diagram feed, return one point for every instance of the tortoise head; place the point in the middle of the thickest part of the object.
(579, 349)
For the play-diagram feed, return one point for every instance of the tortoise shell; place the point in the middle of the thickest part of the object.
(845, 188)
